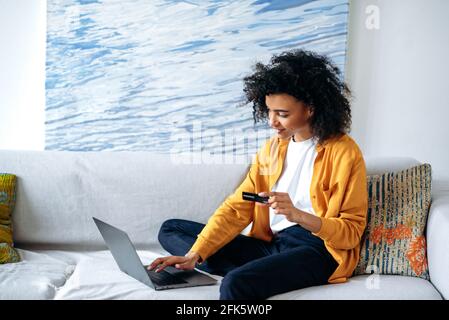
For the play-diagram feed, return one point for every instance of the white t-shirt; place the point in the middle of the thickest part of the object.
(295, 179)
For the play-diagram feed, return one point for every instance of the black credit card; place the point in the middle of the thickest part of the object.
(254, 197)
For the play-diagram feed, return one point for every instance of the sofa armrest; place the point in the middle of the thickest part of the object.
(437, 234)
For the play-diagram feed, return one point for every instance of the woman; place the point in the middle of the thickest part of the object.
(314, 173)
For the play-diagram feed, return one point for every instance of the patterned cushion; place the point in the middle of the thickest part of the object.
(394, 240)
(7, 202)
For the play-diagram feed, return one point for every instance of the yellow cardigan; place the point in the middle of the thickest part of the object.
(338, 194)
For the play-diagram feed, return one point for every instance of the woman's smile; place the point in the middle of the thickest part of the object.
(279, 131)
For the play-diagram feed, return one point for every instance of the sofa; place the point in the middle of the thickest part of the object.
(64, 256)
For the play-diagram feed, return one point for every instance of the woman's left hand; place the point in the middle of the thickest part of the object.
(281, 203)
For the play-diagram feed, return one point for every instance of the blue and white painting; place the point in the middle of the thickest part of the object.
(166, 75)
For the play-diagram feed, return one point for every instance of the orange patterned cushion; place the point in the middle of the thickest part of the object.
(394, 241)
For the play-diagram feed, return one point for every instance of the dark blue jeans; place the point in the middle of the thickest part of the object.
(253, 268)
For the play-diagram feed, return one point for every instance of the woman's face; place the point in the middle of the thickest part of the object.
(287, 115)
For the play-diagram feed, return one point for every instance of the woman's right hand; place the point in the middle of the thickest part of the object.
(186, 262)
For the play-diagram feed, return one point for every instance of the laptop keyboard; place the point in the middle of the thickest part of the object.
(164, 278)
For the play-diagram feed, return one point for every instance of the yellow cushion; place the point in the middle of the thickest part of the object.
(7, 202)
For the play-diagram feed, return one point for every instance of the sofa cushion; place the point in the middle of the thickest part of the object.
(394, 241)
(36, 276)
(7, 202)
(97, 276)
(86, 184)
(60, 191)
(368, 287)
(59, 274)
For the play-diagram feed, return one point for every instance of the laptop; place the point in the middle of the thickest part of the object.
(125, 255)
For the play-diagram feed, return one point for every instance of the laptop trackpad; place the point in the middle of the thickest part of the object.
(191, 275)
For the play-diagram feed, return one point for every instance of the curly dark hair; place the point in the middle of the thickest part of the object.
(310, 78)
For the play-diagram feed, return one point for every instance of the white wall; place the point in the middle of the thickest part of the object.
(399, 77)
(22, 74)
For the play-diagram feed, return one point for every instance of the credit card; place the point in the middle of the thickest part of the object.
(254, 197)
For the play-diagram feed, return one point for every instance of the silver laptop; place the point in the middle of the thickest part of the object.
(129, 262)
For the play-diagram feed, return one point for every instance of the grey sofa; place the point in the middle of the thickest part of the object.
(64, 257)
